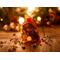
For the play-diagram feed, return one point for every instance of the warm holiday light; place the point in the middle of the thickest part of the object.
(29, 38)
(58, 8)
(30, 10)
(1, 19)
(50, 10)
(38, 18)
(12, 25)
(21, 20)
(5, 27)
(17, 9)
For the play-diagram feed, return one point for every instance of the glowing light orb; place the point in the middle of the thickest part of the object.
(12, 25)
(48, 23)
(5, 27)
(29, 38)
(30, 10)
(17, 9)
(1, 19)
(50, 10)
(21, 20)
(38, 18)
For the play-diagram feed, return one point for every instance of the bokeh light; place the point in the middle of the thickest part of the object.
(38, 18)
(1, 19)
(17, 9)
(58, 8)
(12, 25)
(21, 20)
(5, 27)
(50, 10)
(29, 38)
(17, 28)
(30, 10)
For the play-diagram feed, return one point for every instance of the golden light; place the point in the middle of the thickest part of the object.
(1, 7)
(1, 19)
(50, 10)
(30, 10)
(58, 8)
(17, 28)
(48, 23)
(12, 25)
(38, 18)
(29, 38)
(5, 27)
(17, 9)
(21, 20)
(37, 10)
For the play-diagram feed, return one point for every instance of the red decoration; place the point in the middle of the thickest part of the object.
(29, 20)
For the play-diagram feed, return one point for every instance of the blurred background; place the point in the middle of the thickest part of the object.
(11, 18)
(46, 19)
